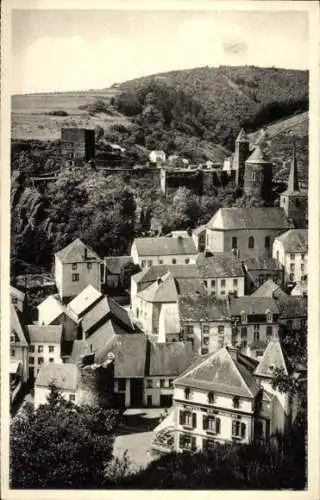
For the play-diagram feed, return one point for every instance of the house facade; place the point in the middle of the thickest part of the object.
(248, 232)
(147, 252)
(44, 347)
(65, 377)
(76, 267)
(290, 249)
(222, 274)
(258, 270)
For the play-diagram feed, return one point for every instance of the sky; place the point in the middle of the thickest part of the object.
(56, 50)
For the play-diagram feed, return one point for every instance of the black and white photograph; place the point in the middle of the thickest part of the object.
(157, 309)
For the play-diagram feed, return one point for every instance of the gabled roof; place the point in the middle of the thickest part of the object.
(151, 274)
(162, 290)
(51, 308)
(294, 240)
(65, 376)
(249, 218)
(75, 252)
(114, 265)
(45, 334)
(79, 348)
(268, 289)
(169, 358)
(16, 326)
(105, 309)
(257, 156)
(203, 308)
(242, 136)
(253, 305)
(272, 358)
(226, 371)
(164, 246)
(14, 292)
(198, 230)
(84, 300)
(259, 263)
(189, 287)
(219, 265)
(130, 354)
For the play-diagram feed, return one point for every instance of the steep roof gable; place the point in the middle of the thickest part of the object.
(162, 290)
(294, 240)
(268, 289)
(84, 300)
(272, 358)
(257, 156)
(77, 251)
(242, 136)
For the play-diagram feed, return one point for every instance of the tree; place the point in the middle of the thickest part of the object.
(61, 445)
(126, 272)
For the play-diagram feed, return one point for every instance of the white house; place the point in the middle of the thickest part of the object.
(222, 274)
(290, 249)
(44, 347)
(52, 312)
(66, 377)
(148, 252)
(76, 267)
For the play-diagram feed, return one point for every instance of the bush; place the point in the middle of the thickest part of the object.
(58, 112)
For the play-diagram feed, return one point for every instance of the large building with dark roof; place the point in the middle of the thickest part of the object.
(148, 252)
(222, 273)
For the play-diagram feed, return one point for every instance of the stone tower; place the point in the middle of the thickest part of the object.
(292, 200)
(258, 176)
(241, 154)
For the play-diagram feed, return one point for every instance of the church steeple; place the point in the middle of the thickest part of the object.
(293, 183)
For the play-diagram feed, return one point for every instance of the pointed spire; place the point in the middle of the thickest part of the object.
(242, 136)
(293, 183)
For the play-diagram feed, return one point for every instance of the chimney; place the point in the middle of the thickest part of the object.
(85, 253)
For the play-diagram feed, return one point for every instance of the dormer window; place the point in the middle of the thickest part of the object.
(211, 398)
(12, 338)
(236, 402)
(243, 317)
(269, 316)
(187, 393)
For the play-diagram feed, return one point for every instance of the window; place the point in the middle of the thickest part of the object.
(31, 348)
(174, 261)
(213, 283)
(238, 429)
(235, 283)
(155, 330)
(205, 329)
(188, 419)
(267, 242)
(189, 329)
(292, 256)
(187, 393)
(211, 398)
(75, 277)
(162, 383)
(51, 360)
(143, 263)
(149, 383)
(204, 350)
(74, 267)
(171, 383)
(149, 263)
(12, 353)
(223, 283)
(221, 329)
(223, 292)
(40, 361)
(121, 384)
(243, 317)
(211, 424)
(12, 337)
(243, 332)
(89, 265)
(187, 261)
(40, 348)
(256, 332)
(251, 242)
(206, 340)
(220, 341)
(234, 243)
(302, 256)
(205, 282)
(51, 348)
(269, 316)
(72, 397)
(137, 312)
(31, 360)
(269, 332)
(236, 402)
(292, 266)
(291, 277)
(187, 442)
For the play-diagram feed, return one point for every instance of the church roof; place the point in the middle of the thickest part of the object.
(242, 136)
(257, 156)
(249, 218)
(272, 358)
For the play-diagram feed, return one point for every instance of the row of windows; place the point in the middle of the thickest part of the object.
(251, 242)
(189, 329)
(213, 425)
(222, 283)
(269, 318)
(40, 360)
(149, 263)
(293, 267)
(40, 348)
(211, 398)
(75, 266)
(150, 384)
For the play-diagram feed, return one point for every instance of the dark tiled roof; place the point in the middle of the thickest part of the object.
(272, 358)
(16, 326)
(130, 355)
(249, 218)
(188, 287)
(293, 307)
(75, 252)
(114, 265)
(203, 308)
(103, 310)
(294, 240)
(45, 334)
(253, 305)
(79, 348)
(258, 263)
(220, 265)
(165, 246)
(64, 375)
(170, 358)
(268, 289)
(225, 371)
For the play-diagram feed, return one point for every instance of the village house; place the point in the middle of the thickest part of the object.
(18, 347)
(19, 299)
(147, 252)
(86, 299)
(227, 397)
(112, 270)
(44, 346)
(260, 269)
(222, 274)
(52, 312)
(290, 249)
(248, 232)
(65, 377)
(269, 289)
(300, 289)
(77, 266)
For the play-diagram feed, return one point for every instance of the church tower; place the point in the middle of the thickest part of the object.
(241, 153)
(258, 176)
(292, 200)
